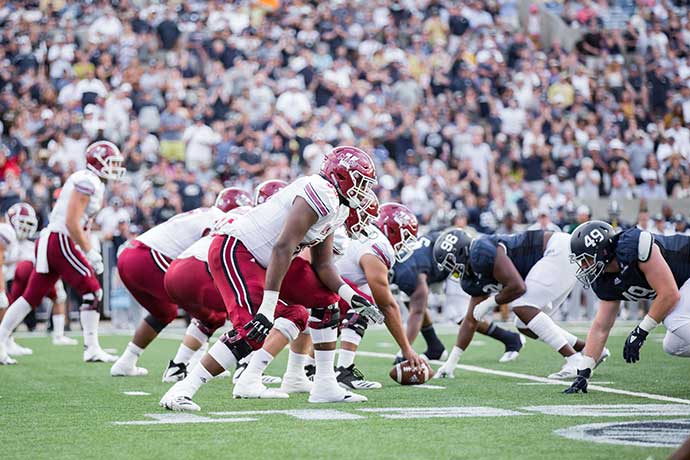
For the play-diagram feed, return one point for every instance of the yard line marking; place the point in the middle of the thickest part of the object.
(175, 419)
(440, 412)
(541, 383)
(136, 393)
(429, 387)
(534, 378)
(613, 410)
(301, 414)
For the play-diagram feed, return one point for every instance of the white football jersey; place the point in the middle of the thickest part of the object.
(258, 230)
(8, 237)
(348, 265)
(178, 233)
(83, 181)
(199, 250)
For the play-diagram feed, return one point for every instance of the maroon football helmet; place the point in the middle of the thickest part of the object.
(351, 171)
(231, 198)
(104, 159)
(267, 189)
(400, 226)
(359, 220)
(22, 217)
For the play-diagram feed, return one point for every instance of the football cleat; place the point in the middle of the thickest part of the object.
(174, 372)
(12, 348)
(513, 351)
(399, 358)
(334, 394)
(265, 379)
(431, 355)
(256, 390)
(569, 369)
(63, 340)
(176, 400)
(296, 384)
(121, 370)
(98, 355)
(5, 359)
(352, 378)
(605, 353)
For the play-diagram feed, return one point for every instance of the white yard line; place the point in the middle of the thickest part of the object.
(534, 378)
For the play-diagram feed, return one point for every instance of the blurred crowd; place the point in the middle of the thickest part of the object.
(467, 115)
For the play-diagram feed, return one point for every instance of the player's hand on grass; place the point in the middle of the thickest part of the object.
(259, 327)
(631, 349)
(366, 309)
(580, 383)
(445, 372)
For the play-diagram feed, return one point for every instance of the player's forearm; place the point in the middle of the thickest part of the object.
(599, 331)
(393, 321)
(281, 256)
(663, 304)
(329, 276)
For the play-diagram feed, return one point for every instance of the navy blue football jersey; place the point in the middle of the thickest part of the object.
(523, 249)
(634, 246)
(421, 261)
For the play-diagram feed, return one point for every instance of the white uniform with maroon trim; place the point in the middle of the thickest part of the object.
(199, 250)
(8, 237)
(348, 265)
(258, 230)
(178, 233)
(85, 182)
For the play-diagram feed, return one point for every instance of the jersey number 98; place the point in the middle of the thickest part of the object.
(448, 242)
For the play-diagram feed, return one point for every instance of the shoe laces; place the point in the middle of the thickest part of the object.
(357, 373)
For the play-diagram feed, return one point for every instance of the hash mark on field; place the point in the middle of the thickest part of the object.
(136, 393)
(429, 387)
(534, 378)
(544, 383)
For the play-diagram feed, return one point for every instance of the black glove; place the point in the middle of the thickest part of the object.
(631, 349)
(366, 309)
(580, 383)
(258, 328)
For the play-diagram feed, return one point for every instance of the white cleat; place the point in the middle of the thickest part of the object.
(12, 348)
(296, 384)
(5, 359)
(98, 355)
(605, 353)
(256, 390)
(569, 369)
(265, 379)
(334, 394)
(175, 372)
(444, 372)
(177, 400)
(509, 356)
(63, 340)
(120, 369)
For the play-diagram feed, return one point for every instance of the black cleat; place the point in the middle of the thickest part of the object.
(352, 378)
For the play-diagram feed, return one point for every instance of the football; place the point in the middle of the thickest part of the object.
(405, 375)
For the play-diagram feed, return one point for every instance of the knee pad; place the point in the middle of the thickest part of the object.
(156, 324)
(236, 344)
(287, 328)
(324, 335)
(355, 322)
(324, 318)
(351, 336)
(675, 346)
(197, 330)
(60, 294)
(91, 300)
(547, 331)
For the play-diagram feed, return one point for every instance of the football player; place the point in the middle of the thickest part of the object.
(632, 265)
(65, 250)
(414, 276)
(188, 282)
(528, 271)
(365, 267)
(18, 262)
(144, 261)
(249, 260)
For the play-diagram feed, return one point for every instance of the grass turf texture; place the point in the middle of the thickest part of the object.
(54, 406)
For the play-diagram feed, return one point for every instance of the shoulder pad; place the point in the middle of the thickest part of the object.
(644, 246)
(483, 255)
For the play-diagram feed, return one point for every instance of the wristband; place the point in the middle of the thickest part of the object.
(268, 304)
(648, 323)
(346, 293)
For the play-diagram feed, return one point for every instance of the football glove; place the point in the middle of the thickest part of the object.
(258, 328)
(95, 260)
(366, 309)
(4, 301)
(580, 383)
(631, 349)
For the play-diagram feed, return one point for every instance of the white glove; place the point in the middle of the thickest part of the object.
(484, 307)
(95, 260)
(445, 372)
(4, 301)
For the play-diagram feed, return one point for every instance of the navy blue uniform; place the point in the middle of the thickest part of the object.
(634, 246)
(421, 261)
(524, 249)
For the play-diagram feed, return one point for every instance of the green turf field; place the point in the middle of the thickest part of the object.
(54, 406)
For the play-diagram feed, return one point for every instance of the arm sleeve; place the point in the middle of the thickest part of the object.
(483, 256)
(321, 196)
